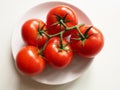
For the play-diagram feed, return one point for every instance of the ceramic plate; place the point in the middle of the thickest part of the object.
(51, 76)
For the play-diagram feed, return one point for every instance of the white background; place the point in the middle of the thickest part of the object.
(104, 73)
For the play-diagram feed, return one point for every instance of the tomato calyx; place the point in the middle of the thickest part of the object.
(40, 31)
(83, 36)
(86, 33)
(61, 20)
(64, 48)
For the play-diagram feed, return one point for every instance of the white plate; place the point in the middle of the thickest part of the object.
(51, 76)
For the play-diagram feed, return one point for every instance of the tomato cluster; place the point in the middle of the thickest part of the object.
(47, 43)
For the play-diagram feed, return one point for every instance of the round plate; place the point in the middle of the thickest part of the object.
(51, 76)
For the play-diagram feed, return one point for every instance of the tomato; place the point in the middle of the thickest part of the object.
(58, 58)
(58, 13)
(31, 32)
(29, 62)
(91, 45)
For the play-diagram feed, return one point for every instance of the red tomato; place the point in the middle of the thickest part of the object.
(30, 32)
(64, 13)
(57, 57)
(29, 62)
(90, 46)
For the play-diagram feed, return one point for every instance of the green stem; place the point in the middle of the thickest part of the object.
(74, 27)
(50, 36)
(61, 41)
(82, 36)
(46, 34)
(43, 48)
(61, 21)
(61, 35)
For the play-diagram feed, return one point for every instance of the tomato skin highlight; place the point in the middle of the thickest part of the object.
(29, 62)
(57, 57)
(92, 45)
(61, 10)
(30, 32)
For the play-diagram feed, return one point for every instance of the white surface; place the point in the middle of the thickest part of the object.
(78, 65)
(104, 74)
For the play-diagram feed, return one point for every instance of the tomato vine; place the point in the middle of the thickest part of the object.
(61, 22)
